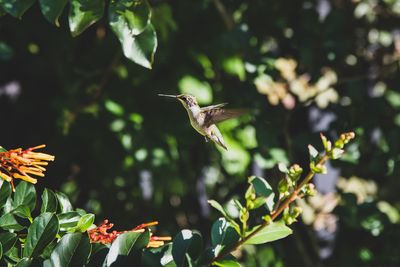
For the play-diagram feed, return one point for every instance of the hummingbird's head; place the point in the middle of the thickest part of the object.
(187, 100)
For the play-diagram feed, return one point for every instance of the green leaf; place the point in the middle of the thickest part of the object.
(187, 244)
(84, 13)
(134, 14)
(130, 21)
(124, 245)
(200, 89)
(318, 168)
(25, 194)
(5, 192)
(234, 65)
(223, 236)
(64, 203)
(42, 231)
(52, 9)
(24, 262)
(393, 98)
(228, 261)
(68, 220)
(22, 211)
(84, 223)
(336, 153)
(313, 152)
(218, 207)
(160, 257)
(48, 250)
(16, 8)
(114, 107)
(49, 201)
(8, 222)
(272, 232)
(72, 250)
(263, 189)
(7, 240)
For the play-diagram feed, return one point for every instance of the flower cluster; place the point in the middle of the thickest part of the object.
(100, 234)
(23, 164)
(291, 84)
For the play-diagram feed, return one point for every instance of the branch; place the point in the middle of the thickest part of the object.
(226, 17)
(280, 207)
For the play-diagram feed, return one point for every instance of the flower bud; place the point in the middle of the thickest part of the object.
(296, 211)
(283, 186)
(250, 205)
(295, 172)
(267, 219)
(244, 215)
(289, 220)
(309, 190)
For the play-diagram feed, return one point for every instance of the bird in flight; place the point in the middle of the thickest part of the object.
(204, 119)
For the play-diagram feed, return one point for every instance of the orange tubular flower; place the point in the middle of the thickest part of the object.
(100, 234)
(23, 164)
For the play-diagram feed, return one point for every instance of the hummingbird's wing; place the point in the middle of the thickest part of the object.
(217, 114)
(217, 106)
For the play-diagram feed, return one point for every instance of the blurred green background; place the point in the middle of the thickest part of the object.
(301, 67)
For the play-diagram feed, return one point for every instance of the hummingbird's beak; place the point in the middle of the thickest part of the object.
(173, 96)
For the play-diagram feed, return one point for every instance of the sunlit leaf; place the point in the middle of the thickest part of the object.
(228, 261)
(68, 220)
(218, 207)
(130, 22)
(200, 89)
(24, 262)
(186, 244)
(124, 245)
(272, 232)
(84, 223)
(114, 107)
(84, 13)
(135, 14)
(262, 188)
(223, 236)
(234, 65)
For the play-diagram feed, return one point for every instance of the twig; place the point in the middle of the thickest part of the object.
(226, 17)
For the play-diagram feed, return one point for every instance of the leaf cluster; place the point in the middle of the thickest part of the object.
(129, 20)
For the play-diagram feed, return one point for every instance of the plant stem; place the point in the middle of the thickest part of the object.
(280, 207)
(226, 17)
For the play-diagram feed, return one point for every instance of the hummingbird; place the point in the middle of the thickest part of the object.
(204, 119)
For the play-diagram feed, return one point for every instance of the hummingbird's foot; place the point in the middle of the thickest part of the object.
(205, 137)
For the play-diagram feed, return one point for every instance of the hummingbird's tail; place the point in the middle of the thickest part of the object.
(223, 145)
(216, 136)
